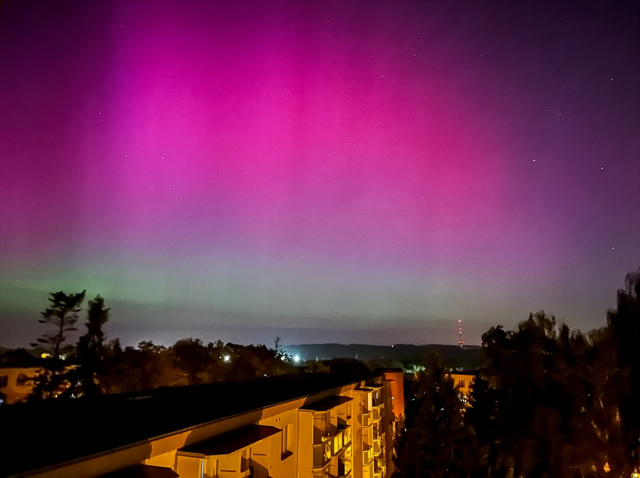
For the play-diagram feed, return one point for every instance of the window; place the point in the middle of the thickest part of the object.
(4, 381)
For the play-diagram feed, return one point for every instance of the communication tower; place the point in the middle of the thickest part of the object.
(460, 341)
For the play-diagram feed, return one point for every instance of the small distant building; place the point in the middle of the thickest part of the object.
(16, 383)
(464, 382)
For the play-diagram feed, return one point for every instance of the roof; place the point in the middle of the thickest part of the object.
(142, 471)
(233, 441)
(50, 432)
(327, 404)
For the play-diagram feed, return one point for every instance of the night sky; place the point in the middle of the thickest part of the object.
(354, 172)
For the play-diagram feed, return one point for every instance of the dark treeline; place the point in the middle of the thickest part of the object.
(548, 402)
(94, 366)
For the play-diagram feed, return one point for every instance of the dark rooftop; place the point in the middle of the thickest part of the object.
(232, 441)
(142, 471)
(327, 404)
(49, 432)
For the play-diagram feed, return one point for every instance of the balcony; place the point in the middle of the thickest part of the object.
(337, 442)
(378, 412)
(379, 471)
(377, 448)
(322, 431)
(321, 454)
(347, 435)
(366, 420)
(367, 454)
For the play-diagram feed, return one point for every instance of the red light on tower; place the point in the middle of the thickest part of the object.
(460, 341)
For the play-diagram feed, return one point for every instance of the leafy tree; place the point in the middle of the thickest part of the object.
(545, 402)
(192, 357)
(147, 367)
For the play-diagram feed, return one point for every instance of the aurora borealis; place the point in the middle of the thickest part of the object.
(322, 171)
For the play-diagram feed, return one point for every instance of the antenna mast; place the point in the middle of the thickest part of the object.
(460, 341)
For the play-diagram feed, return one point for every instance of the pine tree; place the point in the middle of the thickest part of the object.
(63, 315)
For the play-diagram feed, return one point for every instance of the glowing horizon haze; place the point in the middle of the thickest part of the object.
(322, 171)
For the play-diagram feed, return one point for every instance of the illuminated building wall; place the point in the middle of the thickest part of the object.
(16, 383)
(345, 431)
(465, 384)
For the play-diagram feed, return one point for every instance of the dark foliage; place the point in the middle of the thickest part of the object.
(439, 441)
(549, 403)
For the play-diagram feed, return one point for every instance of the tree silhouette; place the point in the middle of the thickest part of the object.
(439, 441)
(63, 314)
(192, 357)
(546, 402)
(624, 330)
(90, 350)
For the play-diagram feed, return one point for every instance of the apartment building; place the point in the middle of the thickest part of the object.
(294, 426)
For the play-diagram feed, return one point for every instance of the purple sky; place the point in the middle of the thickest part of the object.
(322, 171)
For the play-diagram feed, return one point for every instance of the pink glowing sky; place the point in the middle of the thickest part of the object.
(328, 171)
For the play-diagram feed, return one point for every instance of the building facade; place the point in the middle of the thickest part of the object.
(16, 383)
(339, 432)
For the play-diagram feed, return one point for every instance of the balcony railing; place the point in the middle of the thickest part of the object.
(337, 442)
(347, 435)
(377, 411)
(322, 431)
(367, 455)
(321, 454)
(366, 420)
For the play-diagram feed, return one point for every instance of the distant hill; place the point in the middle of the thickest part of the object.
(398, 355)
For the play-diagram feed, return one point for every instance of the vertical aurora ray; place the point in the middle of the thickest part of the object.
(298, 142)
